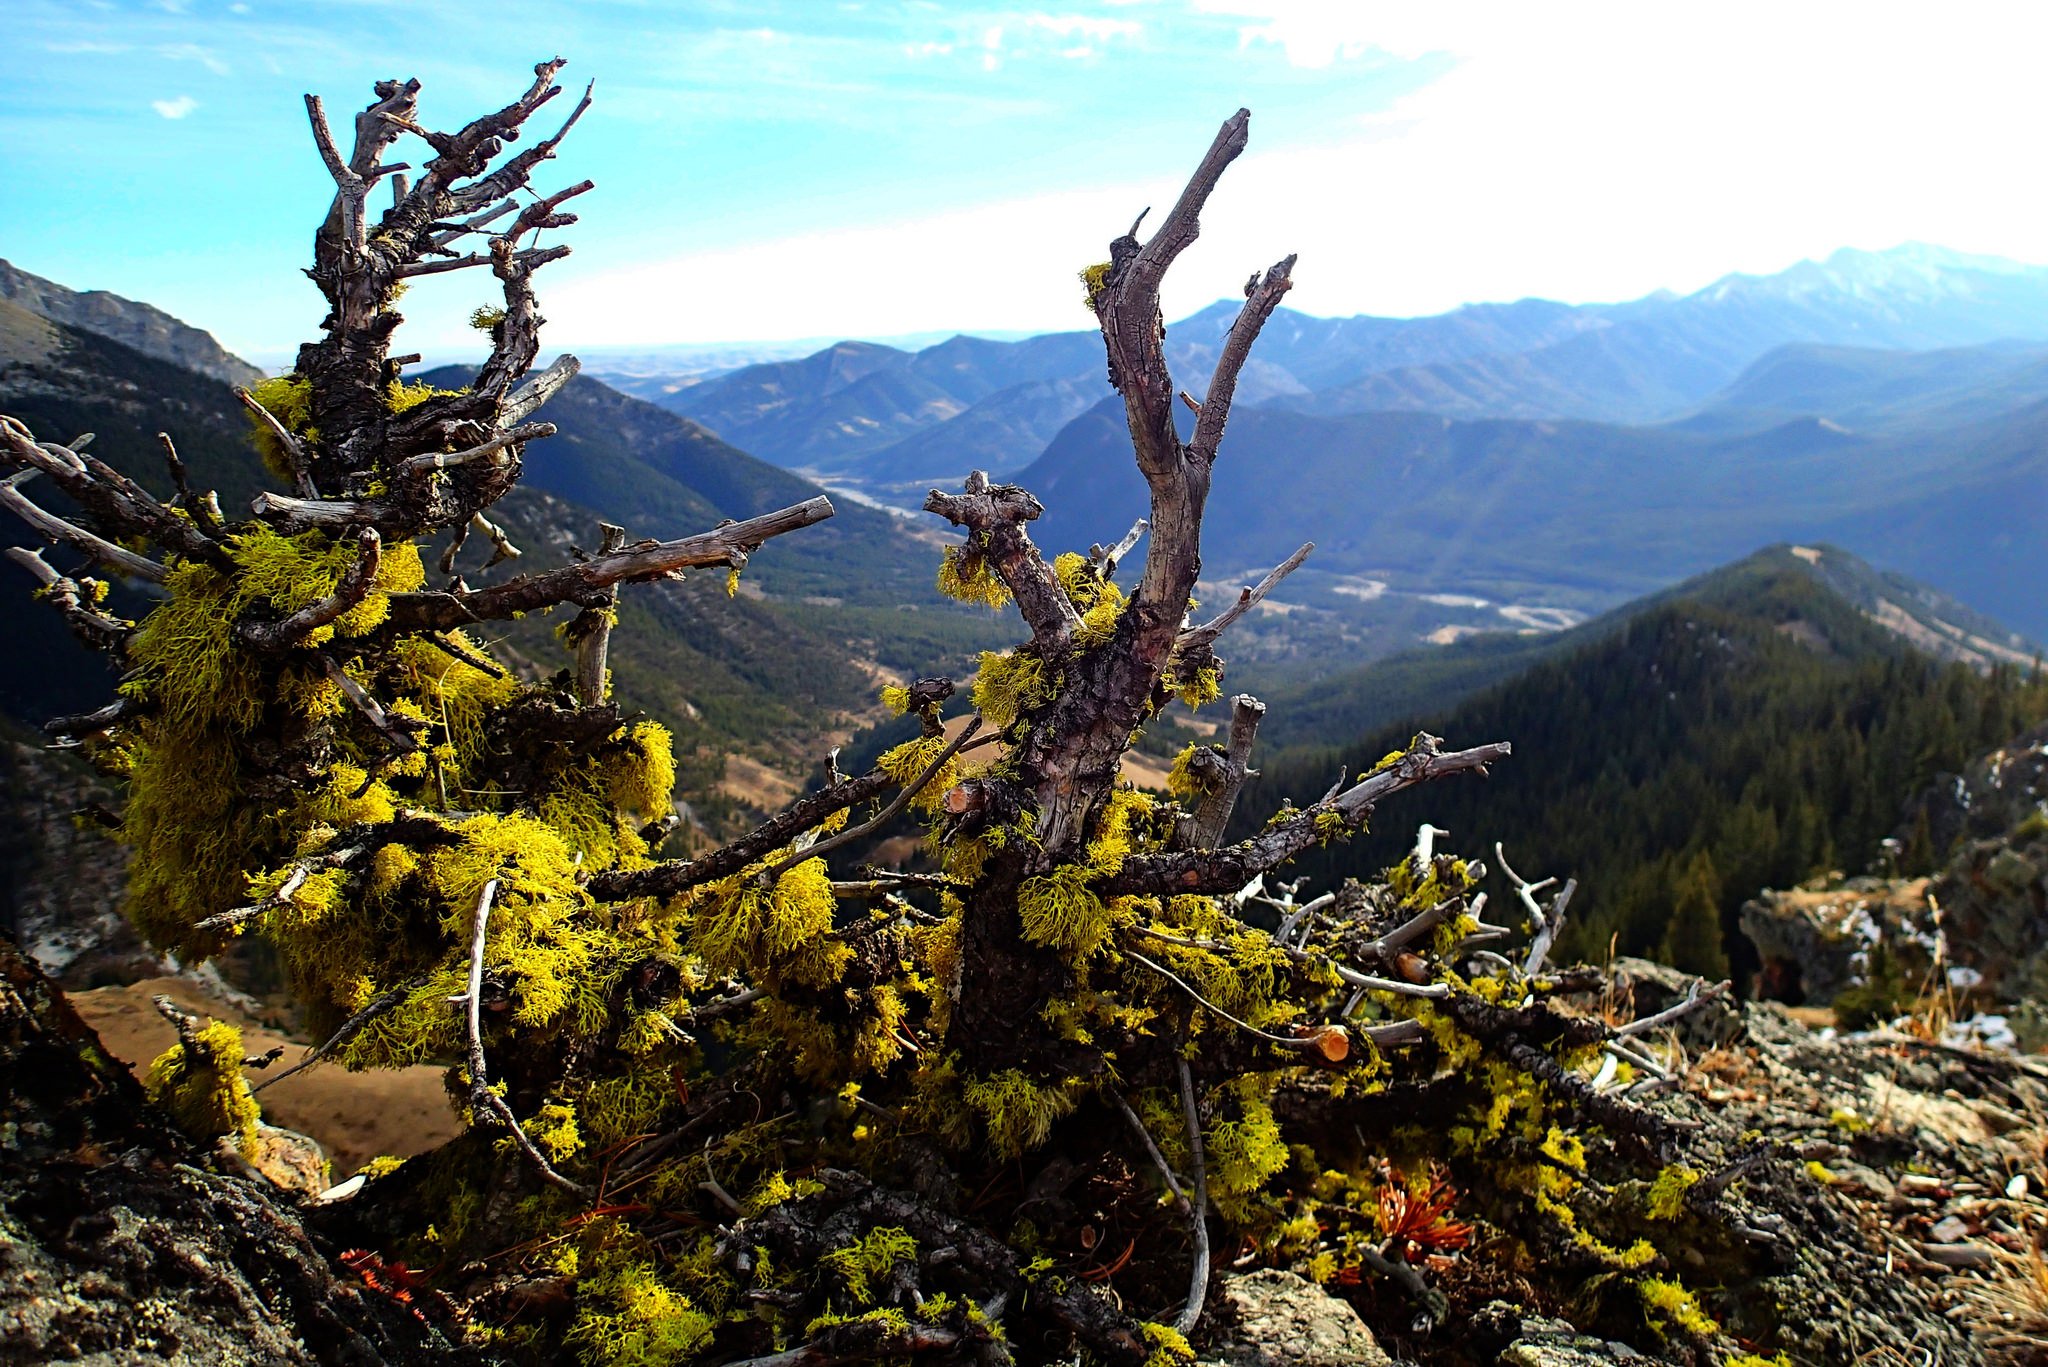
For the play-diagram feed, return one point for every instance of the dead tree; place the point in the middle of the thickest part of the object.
(730, 1106)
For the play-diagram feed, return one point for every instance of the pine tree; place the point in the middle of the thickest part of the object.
(1693, 936)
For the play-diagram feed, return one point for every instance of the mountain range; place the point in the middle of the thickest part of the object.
(1513, 466)
(853, 409)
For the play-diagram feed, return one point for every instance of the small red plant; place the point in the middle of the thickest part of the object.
(394, 1280)
(1419, 1212)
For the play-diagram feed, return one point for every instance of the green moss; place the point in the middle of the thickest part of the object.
(870, 1260)
(1016, 1111)
(907, 762)
(1181, 781)
(1007, 685)
(1060, 910)
(626, 1316)
(1170, 1347)
(1094, 280)
(782, 933)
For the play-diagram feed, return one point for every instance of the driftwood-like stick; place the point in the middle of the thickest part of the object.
(1699, 997)
(1198, 1219)
(1212, 814)
(1547, 931)
(436, 460)
(481, 1096)
(56, 530)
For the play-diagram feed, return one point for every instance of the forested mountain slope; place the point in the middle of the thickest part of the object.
(1748, 733)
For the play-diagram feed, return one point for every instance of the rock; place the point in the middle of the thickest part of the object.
(1276, 1319)
(119, 1245)
(1574, 1350)
(1815, 942)
(291, 1161)
(61, 879)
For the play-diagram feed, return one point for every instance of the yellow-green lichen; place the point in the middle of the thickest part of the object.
(199, 1082)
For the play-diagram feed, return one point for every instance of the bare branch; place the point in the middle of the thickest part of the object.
(76, 601)
(1233, 866)
(350, 188)
(591, 631)
(55, 529)
(910, 790)
(294, 449)
(1262, 296)
(1104, 561)
(666, 880)
(995, 515)
(111, 499)
(1247, 599)
(349, 1029)
(481, 1097)
(1151, 1147)
(655, 560)
(1212, 815)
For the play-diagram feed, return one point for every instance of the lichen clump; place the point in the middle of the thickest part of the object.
(199, 1082)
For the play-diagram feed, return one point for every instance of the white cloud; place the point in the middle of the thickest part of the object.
(193, 52)
(1093, 29)
(175, 109)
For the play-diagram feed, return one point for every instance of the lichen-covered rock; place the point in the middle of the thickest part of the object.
(1277, 1319)
(1816, 941)
(119, 1245)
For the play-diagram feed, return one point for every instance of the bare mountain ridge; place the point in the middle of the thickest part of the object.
(144, 327)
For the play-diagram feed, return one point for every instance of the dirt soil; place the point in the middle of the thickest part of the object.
(354, 1116)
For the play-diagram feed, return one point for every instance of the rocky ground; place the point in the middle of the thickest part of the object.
(1883, 1200)
(1888, 1215)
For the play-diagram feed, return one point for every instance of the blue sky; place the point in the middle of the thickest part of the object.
(808, 168)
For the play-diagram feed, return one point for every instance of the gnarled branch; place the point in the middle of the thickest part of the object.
(655, 560)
